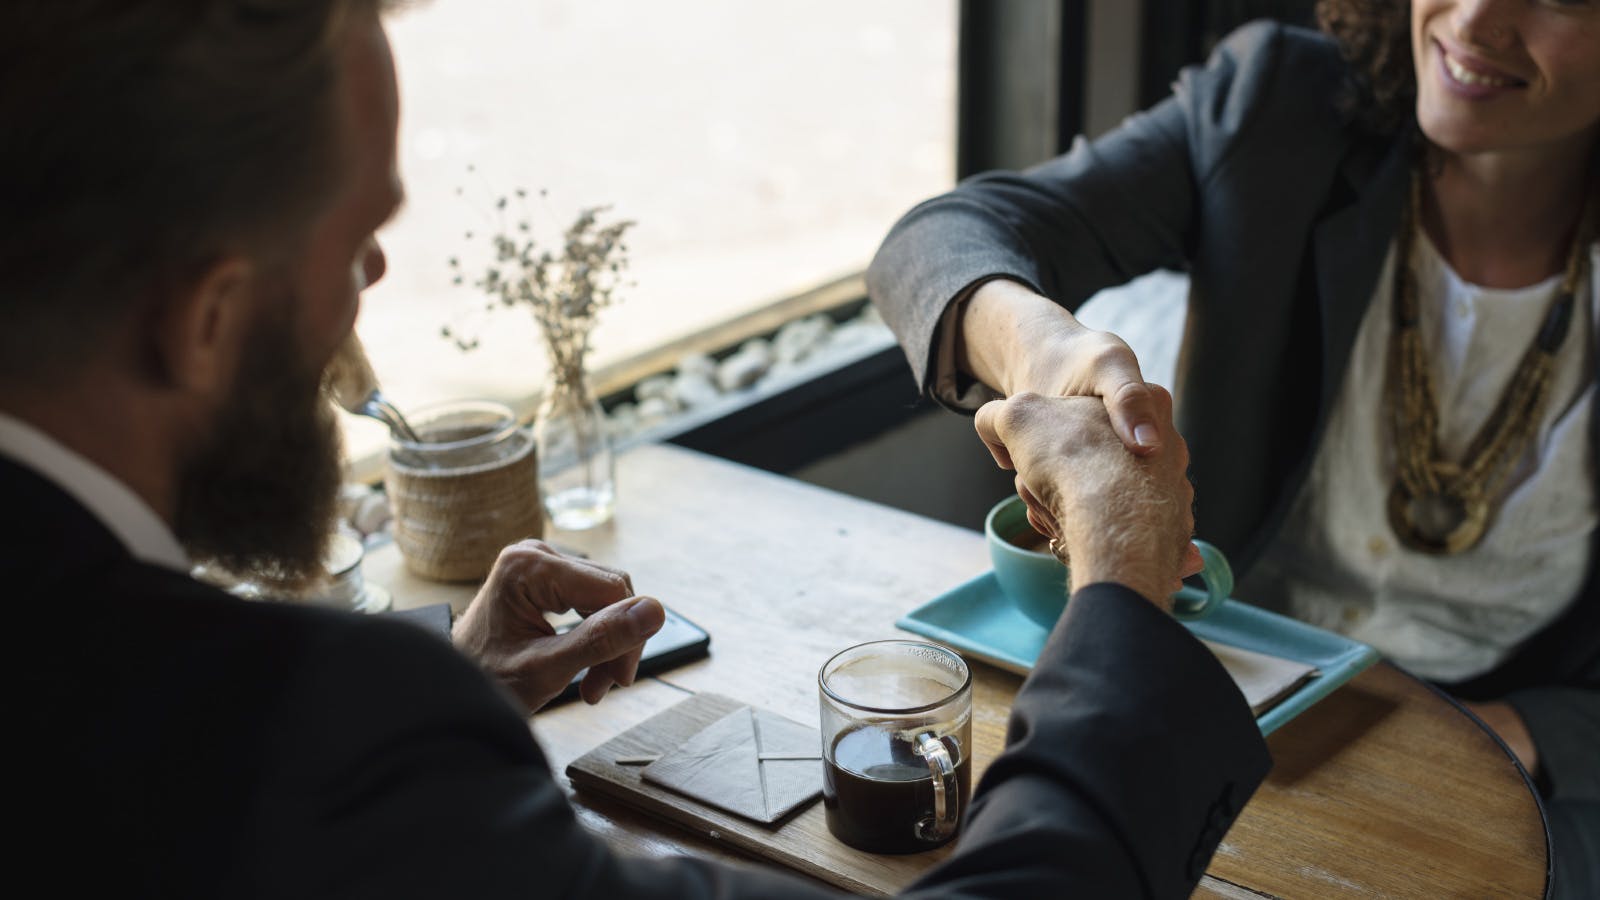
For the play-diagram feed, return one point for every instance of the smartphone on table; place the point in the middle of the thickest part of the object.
(679, 641)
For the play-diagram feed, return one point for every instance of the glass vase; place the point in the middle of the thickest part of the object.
(577, 475)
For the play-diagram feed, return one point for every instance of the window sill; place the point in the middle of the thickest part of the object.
(616, 382)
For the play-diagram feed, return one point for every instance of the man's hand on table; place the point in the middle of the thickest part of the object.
(1121, 518)
(505, 630)
(1017, 341)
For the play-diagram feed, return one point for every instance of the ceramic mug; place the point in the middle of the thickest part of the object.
(1034, 580)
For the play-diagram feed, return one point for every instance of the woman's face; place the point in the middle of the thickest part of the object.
(1498, 75)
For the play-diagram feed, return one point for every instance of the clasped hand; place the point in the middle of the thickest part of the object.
(1121, 517)
(1099, 463)
(506, 632)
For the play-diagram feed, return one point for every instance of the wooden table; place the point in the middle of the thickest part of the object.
(1383, 789)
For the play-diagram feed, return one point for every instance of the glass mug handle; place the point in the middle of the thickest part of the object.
(946, 793)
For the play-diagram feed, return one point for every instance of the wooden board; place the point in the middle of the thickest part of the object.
(801, 842)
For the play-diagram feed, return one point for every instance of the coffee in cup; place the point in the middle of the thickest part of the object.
(896, 745)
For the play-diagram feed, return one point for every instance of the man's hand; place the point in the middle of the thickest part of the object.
(1121, 518)
(505, 629)
(1504, 720)
(1016, 341)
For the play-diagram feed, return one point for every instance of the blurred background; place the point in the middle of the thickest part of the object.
(762, 148)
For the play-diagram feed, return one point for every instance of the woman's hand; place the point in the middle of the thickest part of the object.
(1015, 341)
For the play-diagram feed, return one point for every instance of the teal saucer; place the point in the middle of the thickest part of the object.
(977, 619)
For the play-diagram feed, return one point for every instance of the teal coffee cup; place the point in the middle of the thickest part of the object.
(1034, 580)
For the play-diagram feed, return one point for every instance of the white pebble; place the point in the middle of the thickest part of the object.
(622, 421)
(744, 368)
(697, 364)
(372, 514)
(692, 390)
(654, 410)
(855, 335)
(798, 339)
(350, 497)
(656, 387)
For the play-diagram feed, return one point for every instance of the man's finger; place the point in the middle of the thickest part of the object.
(986, 421)
(1038, 516)
(620, 575)
(615, 632)
(588, 586)
(1192, 562)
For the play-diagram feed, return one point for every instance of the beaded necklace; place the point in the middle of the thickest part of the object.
(1436, 505)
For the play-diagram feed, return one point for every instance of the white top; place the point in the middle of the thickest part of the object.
(117, 507)
(1337, 564)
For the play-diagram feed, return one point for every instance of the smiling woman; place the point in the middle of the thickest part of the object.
(762, 148)
(1388, 383)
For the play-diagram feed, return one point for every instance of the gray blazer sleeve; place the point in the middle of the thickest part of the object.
(1103, 214)
(1130, 751)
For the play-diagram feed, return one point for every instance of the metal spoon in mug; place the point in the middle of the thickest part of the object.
(355, 388)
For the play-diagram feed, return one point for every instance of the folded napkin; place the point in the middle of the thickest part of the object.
(750, 762)
(1264, 680)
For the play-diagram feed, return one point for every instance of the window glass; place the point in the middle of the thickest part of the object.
(762, 148)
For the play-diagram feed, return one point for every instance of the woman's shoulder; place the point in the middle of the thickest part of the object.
(1265, 60)
(1266, 45)
(1266, 84)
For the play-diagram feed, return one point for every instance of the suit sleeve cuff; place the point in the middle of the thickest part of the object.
(950, 387)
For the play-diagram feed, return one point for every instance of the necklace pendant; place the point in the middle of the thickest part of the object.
(1442, 523)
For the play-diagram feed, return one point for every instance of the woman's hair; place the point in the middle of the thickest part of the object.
(1375, 38)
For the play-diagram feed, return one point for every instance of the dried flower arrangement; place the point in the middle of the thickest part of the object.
(565, 288)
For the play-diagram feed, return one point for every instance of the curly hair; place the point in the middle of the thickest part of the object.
(1375, 38)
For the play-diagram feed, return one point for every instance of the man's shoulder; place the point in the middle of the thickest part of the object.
(129, 630)
(197, 733)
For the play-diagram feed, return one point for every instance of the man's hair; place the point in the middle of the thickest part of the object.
(140, 140)
(1375, 38)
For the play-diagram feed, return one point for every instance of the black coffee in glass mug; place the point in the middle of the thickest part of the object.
(896, 739)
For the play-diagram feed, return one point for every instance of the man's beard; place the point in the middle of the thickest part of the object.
(258, 498)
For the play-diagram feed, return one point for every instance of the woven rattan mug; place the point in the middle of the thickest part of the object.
(466, 490)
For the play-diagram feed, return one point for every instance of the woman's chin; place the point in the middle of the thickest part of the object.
(1459, 135)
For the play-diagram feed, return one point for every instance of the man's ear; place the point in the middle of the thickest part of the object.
(200, 330)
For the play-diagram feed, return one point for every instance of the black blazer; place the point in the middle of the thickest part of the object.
(1281, 210)
(170, 740)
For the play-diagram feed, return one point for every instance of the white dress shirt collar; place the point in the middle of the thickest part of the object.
(117, 507)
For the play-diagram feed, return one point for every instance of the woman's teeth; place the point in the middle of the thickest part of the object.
(1467, 76)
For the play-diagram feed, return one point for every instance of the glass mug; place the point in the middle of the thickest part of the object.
(896, 745)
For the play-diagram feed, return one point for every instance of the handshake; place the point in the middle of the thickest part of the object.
(1118, 516)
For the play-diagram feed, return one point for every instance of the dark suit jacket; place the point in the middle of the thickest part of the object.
(170, 740)
(1282, 211)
